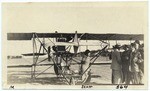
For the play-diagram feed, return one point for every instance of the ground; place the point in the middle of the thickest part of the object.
(101, 73)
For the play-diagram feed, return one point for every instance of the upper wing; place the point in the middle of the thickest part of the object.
(69, 36)
(113, 37)
(19, 36)
(29, 36)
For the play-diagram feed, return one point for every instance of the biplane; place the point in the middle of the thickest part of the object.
(58, 51)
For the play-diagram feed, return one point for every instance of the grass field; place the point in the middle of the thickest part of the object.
(23, 75)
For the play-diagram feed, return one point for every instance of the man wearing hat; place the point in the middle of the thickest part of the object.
(116, 65)
(137, 44)
(125, 64)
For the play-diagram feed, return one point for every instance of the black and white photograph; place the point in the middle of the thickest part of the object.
(75, 45)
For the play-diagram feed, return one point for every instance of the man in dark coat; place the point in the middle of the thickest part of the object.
(125, 64)
(116, 65)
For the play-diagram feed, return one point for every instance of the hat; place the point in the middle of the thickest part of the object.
(133, 44)
(137, 41)
(87, 52)
(116, 46)
(125, 46)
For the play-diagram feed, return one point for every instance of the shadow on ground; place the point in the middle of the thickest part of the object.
(25, 79)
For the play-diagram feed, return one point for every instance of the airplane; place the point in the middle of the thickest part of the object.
(61, 51)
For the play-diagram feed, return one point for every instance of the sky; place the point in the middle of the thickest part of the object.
(102, 17)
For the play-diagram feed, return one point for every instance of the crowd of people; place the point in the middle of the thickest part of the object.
(128, 66)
